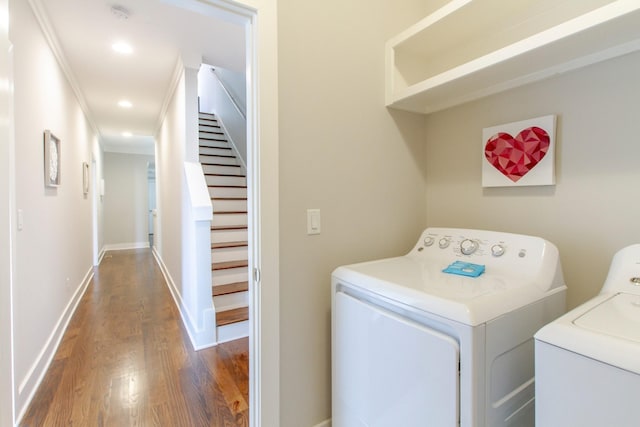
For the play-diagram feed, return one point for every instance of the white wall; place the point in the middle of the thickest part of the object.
(215, 100)
(177, 144)
(340, 151)
(126, 200)
(236, 84)
(6, 207)
(170, 183)
(57, 233)
(593, 209)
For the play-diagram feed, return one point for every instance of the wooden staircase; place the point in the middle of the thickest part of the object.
(227, 184)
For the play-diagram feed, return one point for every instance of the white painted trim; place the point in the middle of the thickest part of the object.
(147, 150)
(263, 205)
(187, 321)
(178, 70)
(125, 246)
(325, 423)
(101, 255)
(50, 35)
(233, 332)
(36, 373)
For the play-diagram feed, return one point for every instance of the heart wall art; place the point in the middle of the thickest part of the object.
(519, 153)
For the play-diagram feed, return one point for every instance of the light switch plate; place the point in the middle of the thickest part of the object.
(313, 221)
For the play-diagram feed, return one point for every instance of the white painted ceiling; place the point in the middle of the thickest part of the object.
(160, 32)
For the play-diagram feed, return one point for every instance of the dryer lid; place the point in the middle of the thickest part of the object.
(618, 316)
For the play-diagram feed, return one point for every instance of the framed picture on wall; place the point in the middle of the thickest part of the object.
(51, 160)
(519, 153)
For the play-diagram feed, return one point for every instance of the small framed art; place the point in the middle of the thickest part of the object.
(51, 160)
(519, 153)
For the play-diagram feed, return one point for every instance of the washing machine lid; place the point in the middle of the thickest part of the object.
(605, 328)
(421, 284)
(618, 317)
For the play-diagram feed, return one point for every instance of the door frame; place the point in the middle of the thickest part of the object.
(259, 18)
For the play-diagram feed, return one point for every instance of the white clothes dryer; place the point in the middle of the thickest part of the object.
(415, 346)
(588, 361)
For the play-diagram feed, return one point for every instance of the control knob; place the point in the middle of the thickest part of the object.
(468, 246)
(444, 242)
(497, 250)
(428, 241)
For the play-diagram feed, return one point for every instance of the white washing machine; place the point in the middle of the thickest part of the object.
(588, 361)
(415, 346)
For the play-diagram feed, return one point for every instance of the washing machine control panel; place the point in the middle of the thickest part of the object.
(465, 245)
(512, 252)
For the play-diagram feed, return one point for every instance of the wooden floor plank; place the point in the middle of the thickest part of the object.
(126, 360)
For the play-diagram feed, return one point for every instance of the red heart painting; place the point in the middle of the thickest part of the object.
(515, 157)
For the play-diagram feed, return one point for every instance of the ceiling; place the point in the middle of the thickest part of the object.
(161, 33)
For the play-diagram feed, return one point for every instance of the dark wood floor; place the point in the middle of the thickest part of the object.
(126, 360)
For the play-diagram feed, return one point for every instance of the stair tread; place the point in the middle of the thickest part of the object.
(237, 244)
(227, 186)
(215, 212)
(221, 164)
(217, 137)
(228, 227)
(232, 316)
(229, 288)
(219, 148)
(229, 264)
(226, 156)
(229, 198)
(226, 174)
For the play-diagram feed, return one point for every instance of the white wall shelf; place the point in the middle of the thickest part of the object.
(469, 49)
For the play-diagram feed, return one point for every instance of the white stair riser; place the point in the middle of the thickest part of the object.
(230, 277)
(229, 205)
(231, 301)
(209, 126)
(226, 180)
(212, 143)
(216, 151)
(217, 276)
(218, 160)
(229, 170)
(204, 123)
(207, 116)
(229, 254)
(227, 192)
(220, 236)
(233, 331)
(229, 219)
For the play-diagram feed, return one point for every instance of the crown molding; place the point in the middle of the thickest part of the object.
(52, 39)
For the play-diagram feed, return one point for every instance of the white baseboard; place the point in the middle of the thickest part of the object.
(124, 246)
(101, 256)
(36, 373)
(198, 340)
(325, 423)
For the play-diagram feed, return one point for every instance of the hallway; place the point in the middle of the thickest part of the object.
(126, 359)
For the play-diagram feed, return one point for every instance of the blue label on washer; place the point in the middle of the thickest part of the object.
(462, 268)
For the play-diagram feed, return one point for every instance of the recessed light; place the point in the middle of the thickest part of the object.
(125, 104)
(127, 134)
(122, 47)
